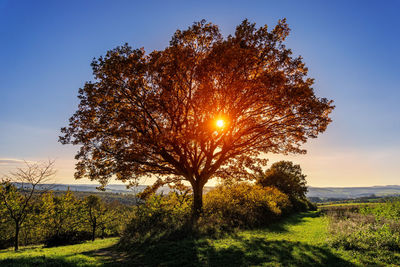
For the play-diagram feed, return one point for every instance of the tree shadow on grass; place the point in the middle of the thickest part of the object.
(283, 224)
(106, 256)
(110, 256)
(191, 252)
(37, 261)
(238, 252)
(252, 252)
(258, 251)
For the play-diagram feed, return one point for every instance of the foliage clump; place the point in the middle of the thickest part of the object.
(158, 217)
(245, 205)
(288, 178)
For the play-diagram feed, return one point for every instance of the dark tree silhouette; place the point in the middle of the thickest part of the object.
(287, 177)
(205, 106)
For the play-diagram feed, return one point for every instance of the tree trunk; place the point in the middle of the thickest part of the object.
(16, 236)
(93, 231)
(103, 229)
(197, 202)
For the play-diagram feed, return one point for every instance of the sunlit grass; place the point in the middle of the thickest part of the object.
(72, 255)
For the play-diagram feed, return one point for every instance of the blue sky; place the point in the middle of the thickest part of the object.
(350, 47)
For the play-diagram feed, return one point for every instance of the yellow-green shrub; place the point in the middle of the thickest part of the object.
(160, 216)
(244, 205)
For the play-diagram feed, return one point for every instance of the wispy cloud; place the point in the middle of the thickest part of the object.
(11, 161)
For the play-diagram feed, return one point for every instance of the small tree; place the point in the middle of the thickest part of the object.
(203, 107)
(287, 177)
(96, 212)
(17, 192)
(61, 215)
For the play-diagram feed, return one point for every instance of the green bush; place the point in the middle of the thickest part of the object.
(67, 238)
(159, 216)
(244, 205)
(388, 210)
(6, 234)
(301, 204)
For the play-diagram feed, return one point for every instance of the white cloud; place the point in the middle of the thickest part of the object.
(11, 161)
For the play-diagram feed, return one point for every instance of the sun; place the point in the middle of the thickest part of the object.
(220, 123)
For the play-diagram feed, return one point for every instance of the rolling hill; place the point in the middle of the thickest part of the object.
(313, 192)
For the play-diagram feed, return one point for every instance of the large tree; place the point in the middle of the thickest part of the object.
(204, 107)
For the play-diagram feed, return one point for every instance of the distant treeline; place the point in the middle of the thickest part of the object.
(107, 197)
(315, 194)
(367, 199)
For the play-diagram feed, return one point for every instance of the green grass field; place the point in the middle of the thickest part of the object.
(300, 240)
(95, 253)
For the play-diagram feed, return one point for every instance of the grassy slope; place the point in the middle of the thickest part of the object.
(298, 241)
(89, 253)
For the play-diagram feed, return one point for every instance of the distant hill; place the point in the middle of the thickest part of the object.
(313, 192)
(353, 192)
(112, 188)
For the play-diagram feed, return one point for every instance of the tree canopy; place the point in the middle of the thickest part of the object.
(204, 107)
(287, 177)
